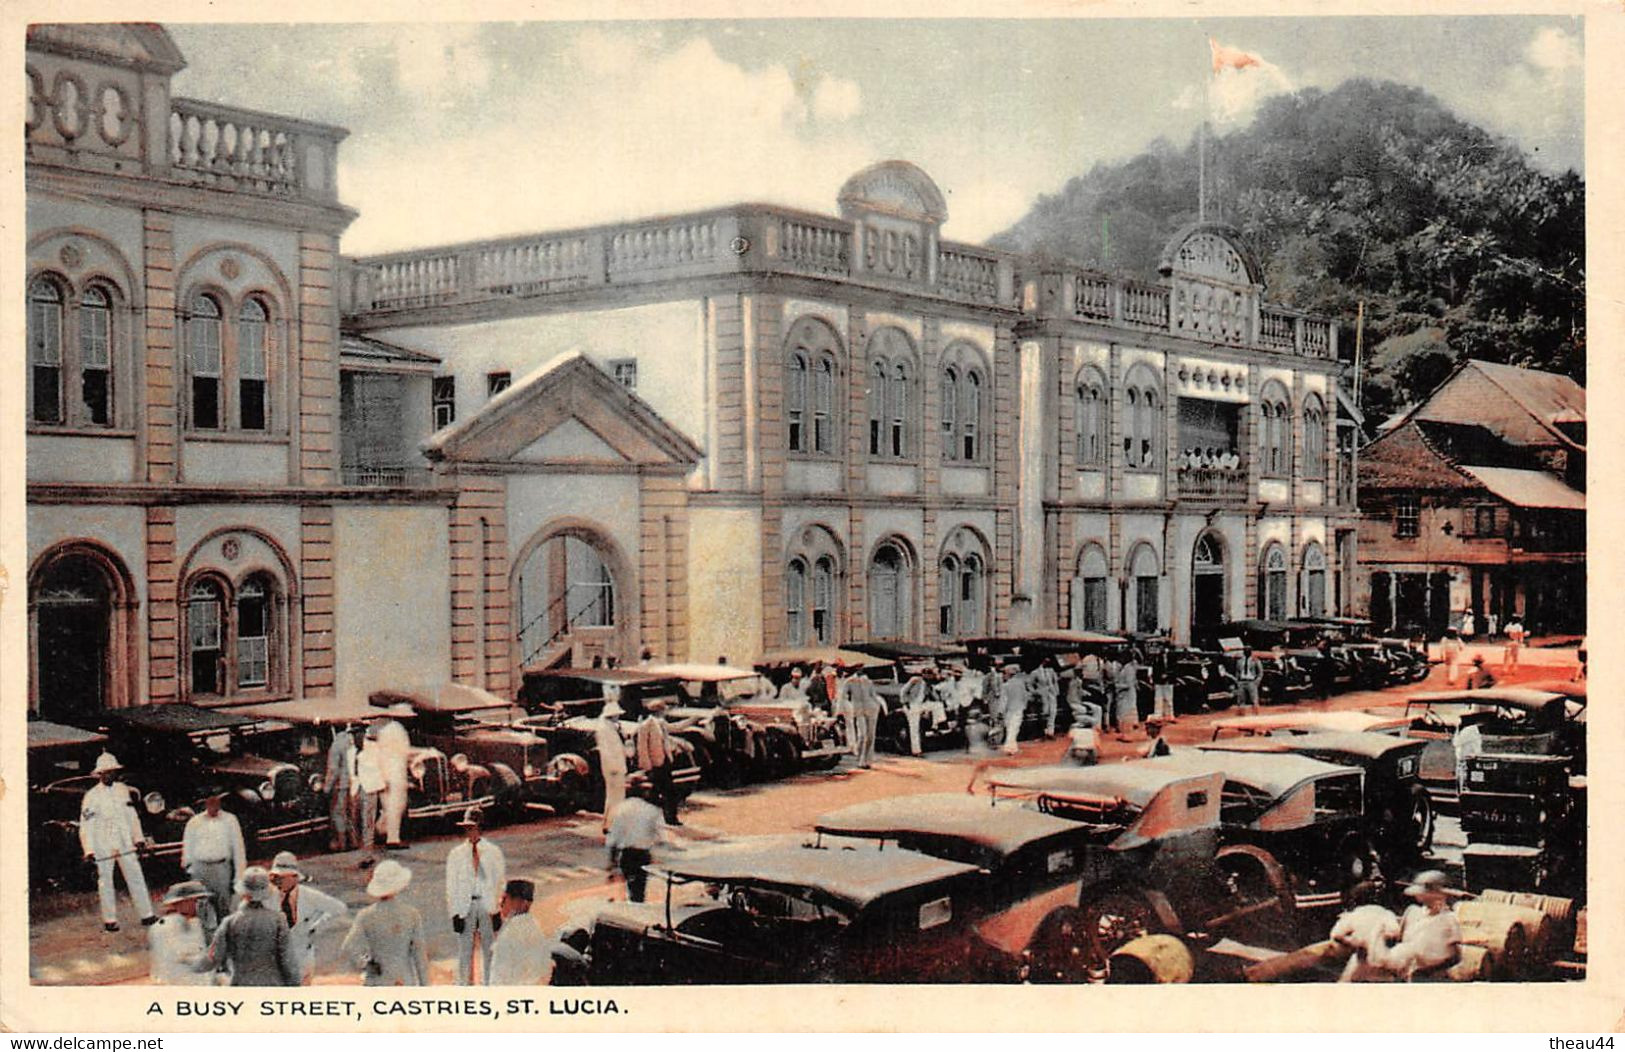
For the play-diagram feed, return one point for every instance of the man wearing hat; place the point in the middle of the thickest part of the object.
(611, 751)
(110, 832)
(860, 704)
(1012, 705)
(476, 872)
(655, 755)
(520, 955)
(795, 691)
(1480, 678)
(178, 953)
(367, 782)
(212, 852)
(386, 941)
(253, 942)
(1249, 672)
(305, 909)
(1430, 934)
(337, 780)
(395, 744)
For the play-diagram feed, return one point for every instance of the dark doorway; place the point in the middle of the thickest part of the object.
(1207, 589)
(73, 604)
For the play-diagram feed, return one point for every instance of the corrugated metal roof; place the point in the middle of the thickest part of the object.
(1528, 489)
(1549, 396)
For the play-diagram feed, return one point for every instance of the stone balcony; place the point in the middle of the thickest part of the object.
(740, 240)
(1220, 485)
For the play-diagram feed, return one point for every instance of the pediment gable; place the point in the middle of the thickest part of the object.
(567, 413)
(134, 45)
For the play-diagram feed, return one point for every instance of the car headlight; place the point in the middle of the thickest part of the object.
(154, 803)
(530, 770)
(459, 762)
(315, 783)
(267, 791)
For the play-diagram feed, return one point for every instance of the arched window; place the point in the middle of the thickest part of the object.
(1091, 419)
(823, 601)
(204, 364)
(1314, 438)
(45, 351)
(810, 354)
(962, 586)
(795, 400)
(1272, 596)
(1313, 603)
(254, 632)
(795, 603)
(963, 372)
(950, 413)
(591, 602)
(252, 321)
(96, 356)
(970, 447)
(1145, 573)
(1275, 427)
(890, 395)
(1089, 590)
(1142, 422)
(890, 593)
(206, 635)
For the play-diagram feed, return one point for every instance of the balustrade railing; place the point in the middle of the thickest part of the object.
(531, 265)
(1226, 484)
(1275, 329)
(1145, 305)
(966, 274)
(384, 475)
(815, 247)
(250, 149)
(1095, 297)
(678, 243)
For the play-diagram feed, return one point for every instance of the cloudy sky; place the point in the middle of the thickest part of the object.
(462, 131)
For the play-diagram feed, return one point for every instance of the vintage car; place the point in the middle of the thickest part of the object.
(777, 909)
(564, 706)
(891, 664)
(1204, 681)
(1509, 719)
(436, 789)
(1398, 810)
(173, 753)
(487, 742)
(1410, 662)
(1067, 647)
(1051, 878)
(1376, 721)
(742, 731)
(1306, 815)
(60, 759)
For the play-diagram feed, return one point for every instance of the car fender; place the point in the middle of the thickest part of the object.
(1011, 930)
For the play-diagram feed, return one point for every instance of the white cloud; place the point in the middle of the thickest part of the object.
(1234, 94)
(836, 99)
(1555, 51)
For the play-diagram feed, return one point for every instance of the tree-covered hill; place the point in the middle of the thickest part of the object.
(1369, 192)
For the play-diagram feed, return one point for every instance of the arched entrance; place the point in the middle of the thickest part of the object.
(80, 602)
(1207, 586)
(569, 599)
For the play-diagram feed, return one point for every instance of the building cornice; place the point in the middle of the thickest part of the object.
(172, 494)
(188, 199)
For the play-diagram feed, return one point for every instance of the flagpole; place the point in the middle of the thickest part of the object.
(1201, 152)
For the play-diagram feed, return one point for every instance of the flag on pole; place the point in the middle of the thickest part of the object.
(1225, 57)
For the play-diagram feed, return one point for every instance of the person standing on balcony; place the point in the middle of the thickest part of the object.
(611, 752)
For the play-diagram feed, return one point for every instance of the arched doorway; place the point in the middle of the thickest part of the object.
(569, 599)
(79, 606)
(891, 592)
(1207, 586)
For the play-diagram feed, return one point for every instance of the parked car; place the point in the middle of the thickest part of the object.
(1410, 661)
(1398, 810)
(730, 746)
(775, 909)
(174, 752)
(903, 660)
(1509, 719)
(1204, 681)
(489, 746)
(1383, 721)
(1145, 840)
(60, 759)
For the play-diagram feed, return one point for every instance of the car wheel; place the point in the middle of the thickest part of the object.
(1259, 905)
(1058, 952)
(1110, 917)
(1356, 862)
(1421, 819)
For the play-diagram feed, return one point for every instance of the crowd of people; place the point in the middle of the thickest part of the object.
(1209, 458)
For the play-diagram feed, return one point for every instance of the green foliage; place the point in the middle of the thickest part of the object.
(1374, 193)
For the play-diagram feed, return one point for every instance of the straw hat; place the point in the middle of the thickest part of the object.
(256, 884)
(472, 817)
(107, 762)
(1431, 881)
(612, 710)
(285, 863)
(186, 889)
(390, 878)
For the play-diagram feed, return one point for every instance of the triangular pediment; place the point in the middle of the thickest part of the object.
(134, 45)
(566, 413)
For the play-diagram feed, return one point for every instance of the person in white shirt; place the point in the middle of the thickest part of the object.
(178, 954)
(1450, 649)
(1469, 625)
(1045, 686)
(634, 830)
(306, 909)
(476, 873)
(213, 853)
(1013, 706)
(913, 701)
(793, 692)
(1430, 934)
(861, 705)
(395, 744)
(1515, 639)
(611, 753)
(520, 956)
(366, 789)
(110, 833)
(1467, 742)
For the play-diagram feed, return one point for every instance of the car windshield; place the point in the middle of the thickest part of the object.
(1338, 795)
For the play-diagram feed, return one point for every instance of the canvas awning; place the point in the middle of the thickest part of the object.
(1528, 489)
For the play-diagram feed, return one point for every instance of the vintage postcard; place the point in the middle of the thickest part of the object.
(856, 504)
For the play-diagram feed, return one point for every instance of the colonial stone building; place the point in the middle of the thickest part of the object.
(259, 469)
(1475, 501)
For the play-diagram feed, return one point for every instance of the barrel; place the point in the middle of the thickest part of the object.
(1473, 966)
(1560, 910)
(1152, 959)
(1518, 938)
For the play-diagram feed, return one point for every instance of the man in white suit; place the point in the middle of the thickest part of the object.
(306, 909)
(476, 874)
(213, 853)
(110, 833)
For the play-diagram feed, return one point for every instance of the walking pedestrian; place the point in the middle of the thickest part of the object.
(1515, 640)
(1045, 686)
(1081, 698)
(1450, 648)
(396, 745)
(913, 700)
(178, 954)
(252, 943)
(1249, 671)
(520, 956)
(305, 909)
(1480, 678)
(340, 773)
(655, 756)
(611, 755)
(367, 790)
(860, 704)
(1491, 625)
(1127, 689)
(1012, 706)
(1469, 626)
(476, 873)
(634, 830)
(386, 941)
(110, 834)
(213, 853)
(1162, 686)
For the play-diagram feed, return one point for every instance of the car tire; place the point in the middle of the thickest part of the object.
(1421, 819)
(1058, 952)
(1255, 880)
(1109, 917)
